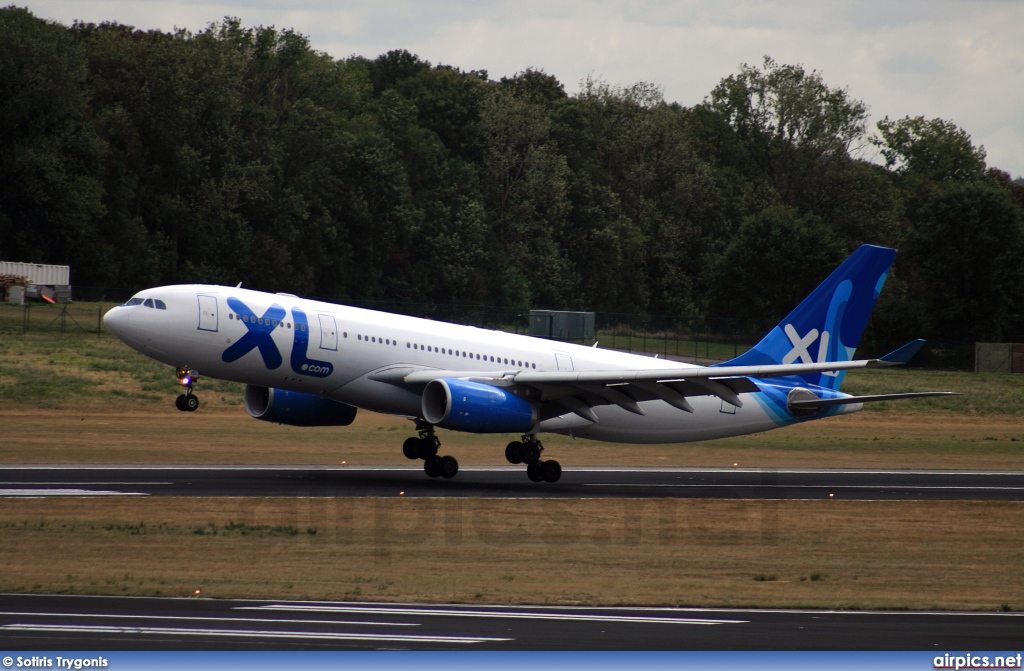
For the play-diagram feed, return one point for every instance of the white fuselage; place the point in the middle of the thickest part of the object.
(346, 347)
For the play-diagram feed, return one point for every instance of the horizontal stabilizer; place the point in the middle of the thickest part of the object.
(905, 353)
(814, 403)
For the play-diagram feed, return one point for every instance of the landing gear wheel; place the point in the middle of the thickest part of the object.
(550, 470)
(411, 448)
(191, 402)
(513, 453)
(533, 472)
(427, 447)
(432, 466)
(529, 452)
(449, 467)
(179, 402)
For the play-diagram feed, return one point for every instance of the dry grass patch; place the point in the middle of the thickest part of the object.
(227, 435)
(840, 554)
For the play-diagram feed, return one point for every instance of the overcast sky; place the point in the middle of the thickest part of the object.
(961, 60)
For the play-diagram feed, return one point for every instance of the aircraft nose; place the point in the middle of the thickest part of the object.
(116, 320)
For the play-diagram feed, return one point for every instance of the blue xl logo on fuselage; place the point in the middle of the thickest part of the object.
(300, 364)
(259, 335)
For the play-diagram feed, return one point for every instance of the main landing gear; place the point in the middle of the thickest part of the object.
(425, 447)
(187, 402)
(527, 451)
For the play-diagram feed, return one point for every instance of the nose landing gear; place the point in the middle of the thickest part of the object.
(527, 451)
(425, 447)
(187, 402)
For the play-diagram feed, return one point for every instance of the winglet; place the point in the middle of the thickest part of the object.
(904, 354)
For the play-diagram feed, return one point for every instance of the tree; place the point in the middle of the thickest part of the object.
(792, 126)
(524, 180)
(933, 149)
(776, 258)
(964, 261)
(50, 191)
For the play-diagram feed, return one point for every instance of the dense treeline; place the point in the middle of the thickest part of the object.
(243, 154)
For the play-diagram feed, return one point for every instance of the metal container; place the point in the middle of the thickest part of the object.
(562, 324)
(38, 273)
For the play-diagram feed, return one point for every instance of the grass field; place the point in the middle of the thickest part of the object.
(841, 554)
(80, 398)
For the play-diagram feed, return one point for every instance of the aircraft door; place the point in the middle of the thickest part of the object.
(328, 333)
(207, 313)
(564, 361)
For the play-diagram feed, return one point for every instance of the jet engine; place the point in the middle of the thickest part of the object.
(295, 408)
(462, 405)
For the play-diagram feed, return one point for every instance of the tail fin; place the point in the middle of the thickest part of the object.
(828, 324)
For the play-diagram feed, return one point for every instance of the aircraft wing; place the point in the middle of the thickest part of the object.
(578, 391)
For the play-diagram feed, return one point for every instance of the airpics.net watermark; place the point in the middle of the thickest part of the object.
(56, 662)
(969, 661)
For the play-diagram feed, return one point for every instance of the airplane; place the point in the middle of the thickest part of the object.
(311, 363)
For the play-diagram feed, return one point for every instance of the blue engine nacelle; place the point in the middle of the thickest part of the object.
(476, 407)
(295, 408)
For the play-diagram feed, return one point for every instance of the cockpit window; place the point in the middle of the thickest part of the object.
(134, 301)
(148, 303)
(160, 305)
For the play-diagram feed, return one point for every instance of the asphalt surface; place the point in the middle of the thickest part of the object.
(510, 482)
(48, 622)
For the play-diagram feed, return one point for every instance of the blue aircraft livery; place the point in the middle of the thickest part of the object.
(258, 334)
(465, 378)
(300, 364)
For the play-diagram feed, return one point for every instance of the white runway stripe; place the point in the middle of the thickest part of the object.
(20, 493)
(536, 615)
(200, 618)
(249, 633)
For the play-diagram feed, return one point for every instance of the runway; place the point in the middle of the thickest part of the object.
(511, 482)
(48, 622)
